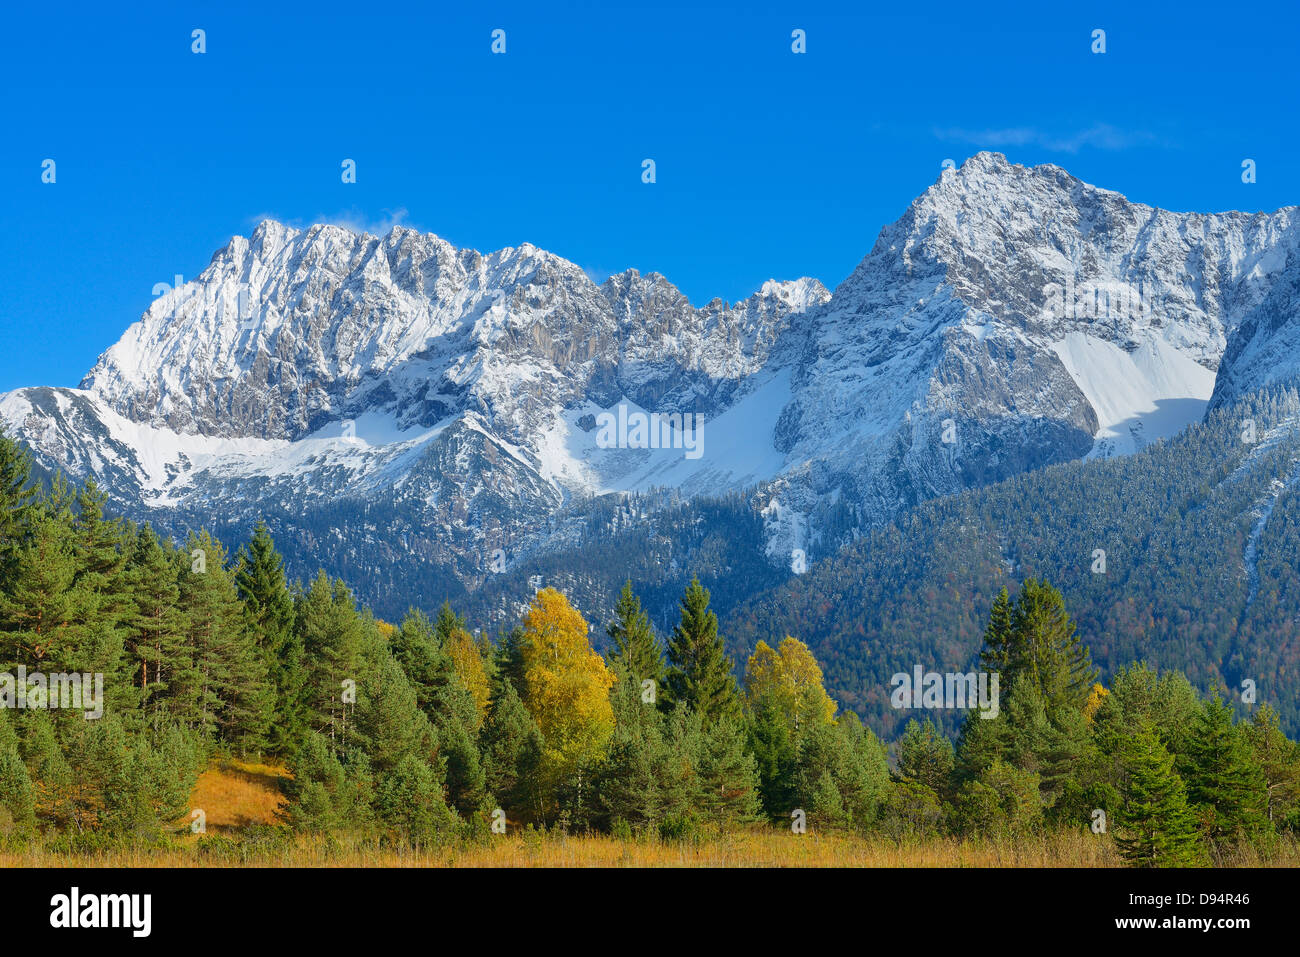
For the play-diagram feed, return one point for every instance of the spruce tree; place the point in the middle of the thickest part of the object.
(772, 744)
(1157, 828)
(511, 745)
(156, 637)
(38, 610)
(700, 673)
(998, 642)
(636, 648)
(269, 611)
(1224, 781)
(332, 641)
(230, 695)
(1044, 644)
(17, 501)
(423, 653)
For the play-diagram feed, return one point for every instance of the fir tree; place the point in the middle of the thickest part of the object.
(700, 674)
(1157, 826)
(332, 641)
(17, 502)
(511, 745)
(229, 697)
(925, 756)
(157, 633)
(636, 648)
(269, 611)
(1224, 783)
(998, 641)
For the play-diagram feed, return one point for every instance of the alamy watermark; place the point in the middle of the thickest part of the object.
(1095, 300)
(211, 298)
(929, 689)
(651, 430)
(38, 691)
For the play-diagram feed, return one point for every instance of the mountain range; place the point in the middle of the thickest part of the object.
(434, 422)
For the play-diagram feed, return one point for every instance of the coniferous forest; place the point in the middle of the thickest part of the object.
(427, 733)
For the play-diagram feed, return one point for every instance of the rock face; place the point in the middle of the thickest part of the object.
(1016, 317)
(1012, 318)
(1265, 346)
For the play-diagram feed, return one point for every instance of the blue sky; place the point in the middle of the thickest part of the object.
(769, 164)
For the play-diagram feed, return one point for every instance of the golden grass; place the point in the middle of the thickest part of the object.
(757, 848)
(234, 794)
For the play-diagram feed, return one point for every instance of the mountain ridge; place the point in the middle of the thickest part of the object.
(1013, 317)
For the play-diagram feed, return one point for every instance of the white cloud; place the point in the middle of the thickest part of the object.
(1100, 136)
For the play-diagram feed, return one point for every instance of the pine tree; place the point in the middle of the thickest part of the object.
(1157, 826)
(156, 640)
(99, 549)
(699, 670)
(230, 696)
(842, 774)
(269, 611)
(725, 774)
(324, 794)
(512, 753)
(38, 610)
(389, 724)
(641, 781)
(1224, 782)
(332, 641)
(998, 641)
(17, 793)
(636, 648)
(925, 756)
(17, 503)
(409, 799)
(771, 742)
(1279, 763)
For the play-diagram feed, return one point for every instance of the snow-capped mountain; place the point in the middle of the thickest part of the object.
(1015, 317)
(305, 368)
(1265, 346)
(459, 410)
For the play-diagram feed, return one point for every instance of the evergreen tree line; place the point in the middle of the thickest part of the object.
(424, 732)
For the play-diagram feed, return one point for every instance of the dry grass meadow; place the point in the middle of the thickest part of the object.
(235, 795)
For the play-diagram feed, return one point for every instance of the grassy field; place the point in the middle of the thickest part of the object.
(759, 848)
(235, 795)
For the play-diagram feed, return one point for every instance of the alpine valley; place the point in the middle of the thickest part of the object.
(1024, 371)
